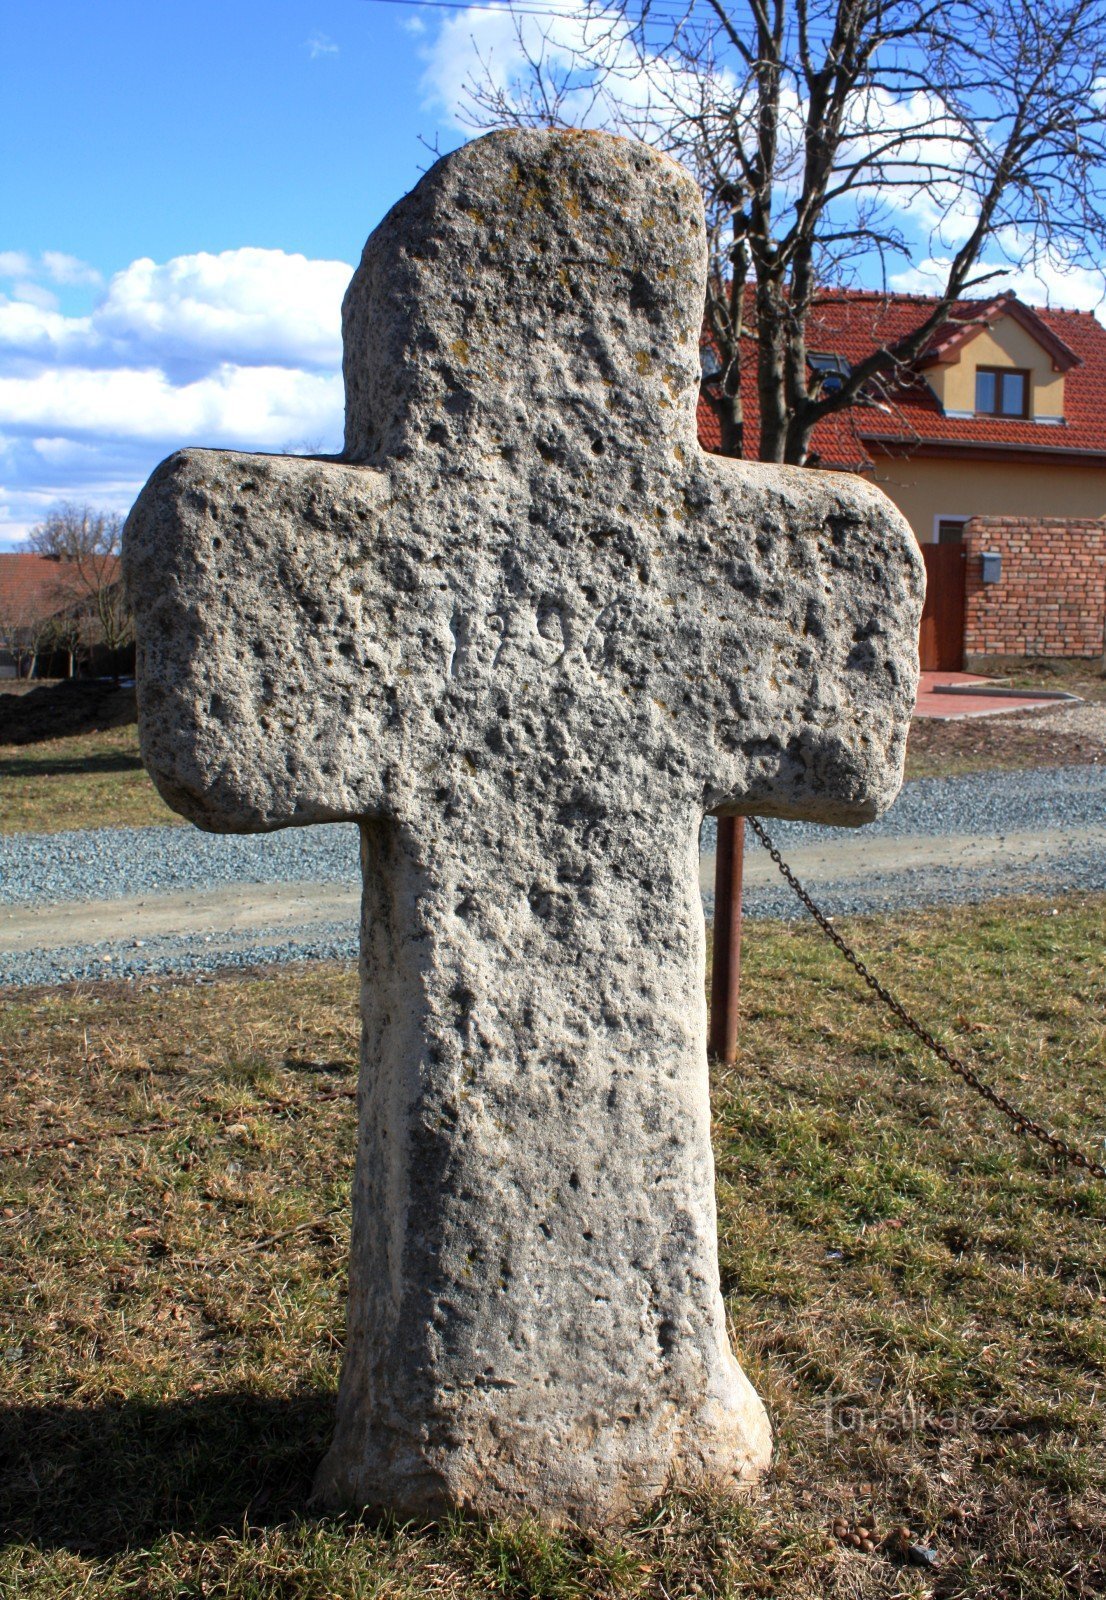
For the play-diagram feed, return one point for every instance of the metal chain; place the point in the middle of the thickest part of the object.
(1025, 1125)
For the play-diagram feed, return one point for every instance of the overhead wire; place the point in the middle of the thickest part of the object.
(513, 8)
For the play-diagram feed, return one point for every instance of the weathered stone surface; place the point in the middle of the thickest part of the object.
(527, 634)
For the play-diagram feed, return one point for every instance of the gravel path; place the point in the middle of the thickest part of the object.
(109, 863)
(962, 839)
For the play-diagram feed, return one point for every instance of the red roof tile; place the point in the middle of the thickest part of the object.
(854, 323)
(33, 587)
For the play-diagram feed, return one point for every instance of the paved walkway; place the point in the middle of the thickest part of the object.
(951, 707)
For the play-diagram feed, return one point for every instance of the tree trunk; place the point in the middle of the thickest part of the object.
(731, 424)
(798, 441)
(771, 375)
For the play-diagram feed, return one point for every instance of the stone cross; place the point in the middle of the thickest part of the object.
(526, 633)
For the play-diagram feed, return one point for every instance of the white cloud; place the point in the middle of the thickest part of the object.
(69, 270)
(248, 306)
(462, 44)
(640, 92)
(1047, 282)
(243, 407)
(33, 294)
(921, 159)
(244, 305)
(237, 350)
(320, 45)
(53, 265)
(31, 330)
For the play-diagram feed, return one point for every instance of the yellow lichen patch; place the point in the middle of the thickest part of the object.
(678, 452)
(460, 349)
(672, 379)
(572, 205)
(614, 259)
(644, 362)
(477, 216)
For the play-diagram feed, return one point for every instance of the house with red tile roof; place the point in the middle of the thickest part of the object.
(1002, 417)
(38, 596)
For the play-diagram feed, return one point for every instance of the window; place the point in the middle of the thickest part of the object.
(710, 367)
(1001, 392)
(950, 530)
(833, 370)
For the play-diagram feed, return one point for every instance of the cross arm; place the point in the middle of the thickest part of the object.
(259, 671)
(813, 591)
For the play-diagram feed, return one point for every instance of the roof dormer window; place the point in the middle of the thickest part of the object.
(1001, 392)
(831, 369)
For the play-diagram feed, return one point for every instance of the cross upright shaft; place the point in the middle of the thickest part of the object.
(527, 634)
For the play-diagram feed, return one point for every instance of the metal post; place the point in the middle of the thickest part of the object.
(725, 985)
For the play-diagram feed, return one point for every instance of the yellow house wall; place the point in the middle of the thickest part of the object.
(927, 488)
(1006, 344)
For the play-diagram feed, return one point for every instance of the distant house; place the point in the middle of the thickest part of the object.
(994, 440)
(47, 613)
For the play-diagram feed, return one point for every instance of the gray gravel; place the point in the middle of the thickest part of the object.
(931, 886)
(987, 802)
(315, 941)
(111, 863)
(996, 804)
(108, 863)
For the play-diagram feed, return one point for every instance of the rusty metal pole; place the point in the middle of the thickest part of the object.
(725, 983)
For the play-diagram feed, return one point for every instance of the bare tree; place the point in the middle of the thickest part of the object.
(822, 132)
(90, 601)
(25, 632)
(69, 629)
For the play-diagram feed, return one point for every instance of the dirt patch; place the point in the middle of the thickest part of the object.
(59, 710)
(1060, 736)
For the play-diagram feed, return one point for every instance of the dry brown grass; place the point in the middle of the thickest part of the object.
(88, 780)
(917, 1295)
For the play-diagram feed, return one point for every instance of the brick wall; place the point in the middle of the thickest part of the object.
(1051, 600)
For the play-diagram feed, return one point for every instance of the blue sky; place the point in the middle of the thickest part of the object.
(184, 192)
(160, 131)
(162, 128)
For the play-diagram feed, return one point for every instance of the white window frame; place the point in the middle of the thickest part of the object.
(949, 516)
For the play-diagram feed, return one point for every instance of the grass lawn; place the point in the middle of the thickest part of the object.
(96, 780)
(89, 780)
(1085, 678)
(918, 1296)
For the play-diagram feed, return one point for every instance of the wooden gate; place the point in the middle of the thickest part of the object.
(941, 644)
